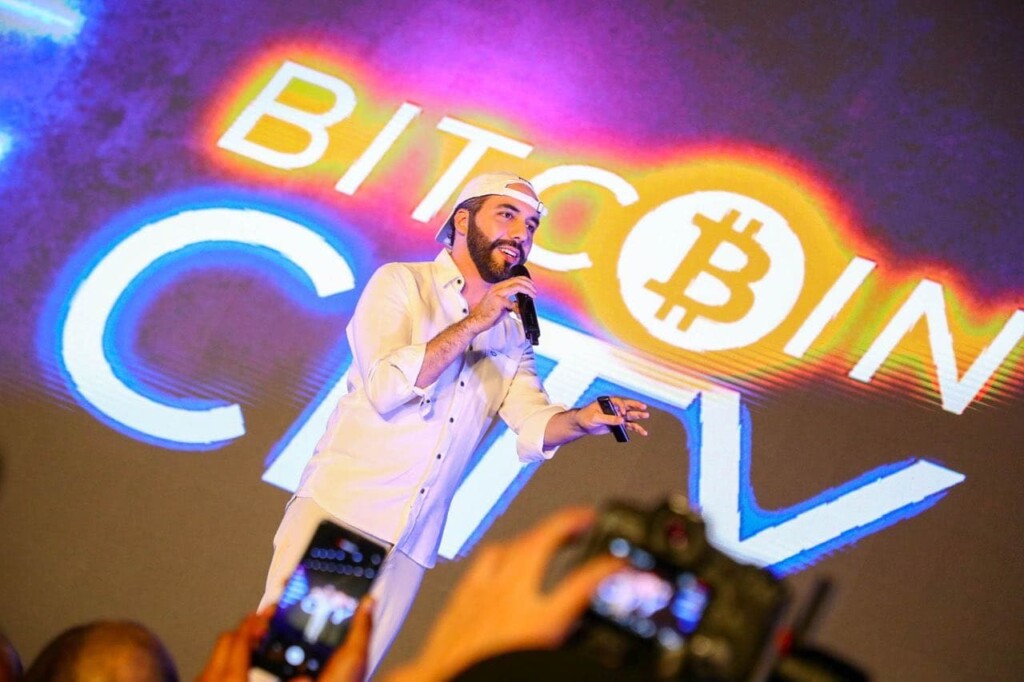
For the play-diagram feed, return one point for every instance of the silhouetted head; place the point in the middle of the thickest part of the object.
(104, 651)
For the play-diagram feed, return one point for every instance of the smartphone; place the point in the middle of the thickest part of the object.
(316, 607)
(608, 407)
(650, 600)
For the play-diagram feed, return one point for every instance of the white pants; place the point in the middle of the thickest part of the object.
(393, 591)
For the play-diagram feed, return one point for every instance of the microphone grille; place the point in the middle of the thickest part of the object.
(519, 270)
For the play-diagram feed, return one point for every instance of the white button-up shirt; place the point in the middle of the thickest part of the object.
(394, 454)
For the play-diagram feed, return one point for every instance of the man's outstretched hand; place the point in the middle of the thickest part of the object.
(592, 419)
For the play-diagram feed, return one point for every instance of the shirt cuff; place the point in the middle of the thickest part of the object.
(397, 384)
(409, 361)
(530, 440)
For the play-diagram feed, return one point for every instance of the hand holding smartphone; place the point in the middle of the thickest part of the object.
(316, 607)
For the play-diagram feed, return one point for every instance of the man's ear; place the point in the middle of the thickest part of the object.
(461, 221)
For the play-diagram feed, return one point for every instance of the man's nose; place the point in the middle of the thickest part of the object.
(519, 231)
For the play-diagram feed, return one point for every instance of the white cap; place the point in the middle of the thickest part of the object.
(486, 185)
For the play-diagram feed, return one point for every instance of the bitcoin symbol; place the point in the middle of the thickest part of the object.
(714, 234)
(711, 270)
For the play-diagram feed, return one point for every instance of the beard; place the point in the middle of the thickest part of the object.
(482, 252)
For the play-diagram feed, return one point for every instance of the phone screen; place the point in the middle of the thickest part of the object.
(316, 607)
(651, 600)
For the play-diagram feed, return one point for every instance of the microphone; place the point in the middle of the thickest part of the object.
(527, 311)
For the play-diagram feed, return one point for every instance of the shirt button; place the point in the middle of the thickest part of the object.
(451, 420)
(494, 353)
(462, 383)
(465, 310)
(422, 491)
(439, 455)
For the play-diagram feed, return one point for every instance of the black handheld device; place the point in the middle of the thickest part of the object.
(527, 309)
(608, 407)
(680, 609)
(316, 607)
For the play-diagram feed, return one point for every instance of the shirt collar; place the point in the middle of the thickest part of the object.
(446, 271)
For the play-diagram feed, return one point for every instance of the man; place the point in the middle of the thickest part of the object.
(435, 355)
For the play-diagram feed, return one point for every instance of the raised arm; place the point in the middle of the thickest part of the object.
(453, 341)
(394, 367)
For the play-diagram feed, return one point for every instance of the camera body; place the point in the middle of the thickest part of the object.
(681, 610)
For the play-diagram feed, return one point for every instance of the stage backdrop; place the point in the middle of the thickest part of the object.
(792, 228)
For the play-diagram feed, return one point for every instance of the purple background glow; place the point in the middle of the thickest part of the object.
(909, 113)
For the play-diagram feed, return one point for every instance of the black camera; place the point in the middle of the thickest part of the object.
(680, 609)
